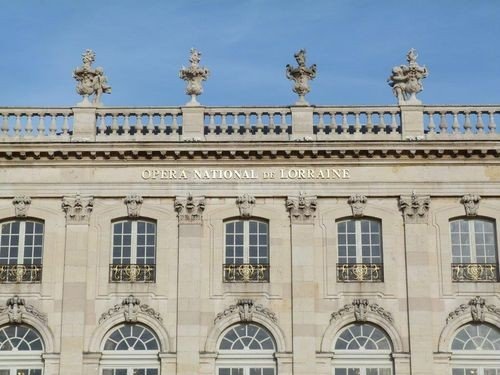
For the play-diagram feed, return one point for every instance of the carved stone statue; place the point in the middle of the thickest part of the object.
(194, 75)
(406, 80)
(90, 81)
(301, 75)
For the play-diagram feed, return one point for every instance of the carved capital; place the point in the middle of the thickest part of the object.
(190, 209)
(247, 308)
(415, 209)
(358, 204)
(134, 204)
(245, 203)
(77, 209)
(302, 209)
(359, 308)
(21, 205)
(131, 308)
(16, 309)
(471, 204)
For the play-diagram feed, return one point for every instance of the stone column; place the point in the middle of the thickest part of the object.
(189, 211)
(412, 121)
(84, 124)
(419, 264)
(78, 210)
(302, 212)
(302, 123)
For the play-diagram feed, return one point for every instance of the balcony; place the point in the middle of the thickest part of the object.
(360, 272)
(474, 272)
(246, 273)
(132, 273)
(20, 273)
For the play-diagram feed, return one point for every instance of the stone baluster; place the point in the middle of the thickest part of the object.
(443, 125)
(467, 124)
(126, 124)
(345, 124)
(479, 123)
(357, 124)
(320, 127)
(455, 126)
(5, 124)
(29, 125)
(383, 125)
(432, 125)
(114, 125)
(259, 126)
(272, 126)
(369, 123)
(53, 124)
(491, 122)
(150, 126)
(17, 125)
(65, 125)
(394, 123)
(41, 125)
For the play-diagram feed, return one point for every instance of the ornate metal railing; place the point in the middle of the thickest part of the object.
(20, 273)
(258, 273)
(360, 272)
(132, 273)
(475, 272)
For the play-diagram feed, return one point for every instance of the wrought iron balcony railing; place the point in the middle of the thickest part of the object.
(474, 272)
(131, 273)
(246, 273)
(360, 272)
(20, 273)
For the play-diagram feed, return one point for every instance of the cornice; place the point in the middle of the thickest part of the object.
(366, 150)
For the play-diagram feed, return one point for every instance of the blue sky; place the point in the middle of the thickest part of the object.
(246, 44)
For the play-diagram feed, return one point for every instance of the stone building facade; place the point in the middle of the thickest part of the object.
(250, 240)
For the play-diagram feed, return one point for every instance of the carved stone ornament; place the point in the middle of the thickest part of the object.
(302, 209)
(133, 203)
(301, 75)
(190, 209)
(476, 307)
(245, 203)
(194, 75)
(360, 308)
(246, 308)
(90, 80)
(16, 309)
(358, 204)
(406, 80)
(130, 307)
(471, 204)
(21, 205)
(77, 209)
(415, 208)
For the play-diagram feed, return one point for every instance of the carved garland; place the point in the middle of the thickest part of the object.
(476, 307)
(16, 310)
(359, 308)
(246, 308)
(130, 307)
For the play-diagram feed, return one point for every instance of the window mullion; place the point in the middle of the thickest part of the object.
(133, 243)
(20, 244)
(472, 241)
(246, 241)
(358, 241)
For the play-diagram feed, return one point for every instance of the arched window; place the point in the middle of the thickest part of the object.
(359, 250)
(474, 250)
(476, 350)
(246, 349)
(134, 251)
(362, 349)
(246, 251)
(21, 349)
(130, 349)
(21, 251)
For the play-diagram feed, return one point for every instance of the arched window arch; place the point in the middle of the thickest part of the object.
(246, 247)
(21, 349)
(130, 349)
(133, 257)
(362, 349)
(476, 350)
(360, 254)
(474, 250)
(246, 349)
(21, 251)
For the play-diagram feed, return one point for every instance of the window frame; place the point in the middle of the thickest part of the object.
(22, 240)
(246, 239)
(22, 359)
(472, 237)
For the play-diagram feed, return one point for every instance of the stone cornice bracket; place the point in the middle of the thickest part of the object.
(359, 308)
(190, 210)
(245, 204)
(476, 307)
(358, 204)
(302, 209)
(246, 308)
(77, 209)
(21, 205)
(16, 309)
(471, 204)
(130, 307)
(415, 208)
(134, 204)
